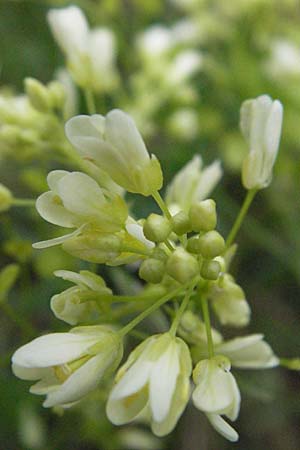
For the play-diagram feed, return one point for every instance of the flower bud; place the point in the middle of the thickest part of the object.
(159, 253)
(6, 198)
(152, 270)
(182, 266)
(57, 94)
(181, 223)
(210, 270)
(94, 248)
(156, 228)
(193, 245)
(211, 244)
(203, 216)
(38, 95)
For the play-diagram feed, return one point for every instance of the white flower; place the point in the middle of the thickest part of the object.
(192, 184)
(73, 305)
(115, 145)
(284, 59)
(217, 394)
(229, 302)
(67, 366)
(260, 122)
(76, 200)
(90, 54)
(248, 352)
(155, 42)
(184, 65)
(72, 99)
(156, 376)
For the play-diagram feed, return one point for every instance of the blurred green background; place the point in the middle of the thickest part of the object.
(247, 48)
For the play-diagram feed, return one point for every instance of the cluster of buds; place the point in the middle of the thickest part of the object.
(182, 258)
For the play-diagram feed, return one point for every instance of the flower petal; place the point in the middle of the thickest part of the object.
(58, 240)
(51, 209)
(223, 427)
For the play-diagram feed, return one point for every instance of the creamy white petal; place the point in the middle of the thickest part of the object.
(223, 427)
(50, 208)
(26, 373)
(123, 134)
(82, 381)
(134, 379)
(81, 194)
(162, 384)
(52, 349)
(54, 177)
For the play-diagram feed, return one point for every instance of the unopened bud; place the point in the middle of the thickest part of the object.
(210, 270)
(57, 93)
(193, 245)
(212, 244)
(203, 215)
(94, 248)
(38, 95)
(182, 266)
(152, 270)
(157, 228)
(159, 253)
(181, 223)
(6, 198)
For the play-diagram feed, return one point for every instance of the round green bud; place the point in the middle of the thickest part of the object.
(182, 266)
(212, 244)
(6, 198)
(181, 223)
(210, 270)
(38, 95)
(157, 228)
(152, 270)
(203, 215)
(193, 245)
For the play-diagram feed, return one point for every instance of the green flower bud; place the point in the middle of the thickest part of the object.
(181, 223)
(203, 215)
(94, 248)
(38, 95)
(182, 266)
(212, 244)
(152, 270)
(193, 245)
(210, 270)
(57, 93)
(157, 228)
(6, 198)
(159, 253)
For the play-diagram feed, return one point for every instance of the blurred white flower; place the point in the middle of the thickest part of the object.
(68, 365)
(260, 122)
(90, 54)
(284, 60)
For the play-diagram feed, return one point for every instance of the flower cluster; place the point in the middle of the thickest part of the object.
(183, 261)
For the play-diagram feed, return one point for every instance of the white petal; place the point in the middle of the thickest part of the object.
(81, 382)
(136, 230)
(223, 427)
(134, 380)
(163, 378)
(52, 349)
(80, 194)
(25, 373)
(49, 208)
(123, 134)
(210, 177)
(54, 177)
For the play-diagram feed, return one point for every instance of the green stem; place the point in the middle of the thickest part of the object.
(181, 310)
(23, 202)
(90, 101)
(159, 200)
(153, 308)
(206, 318)
(238, 221)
